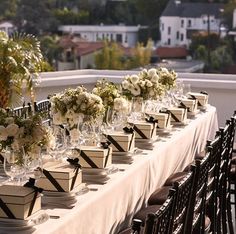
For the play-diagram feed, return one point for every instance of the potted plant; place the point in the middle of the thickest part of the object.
(20, 62)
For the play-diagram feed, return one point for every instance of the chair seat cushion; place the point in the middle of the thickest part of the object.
(200, 155)
(143, 212)
(207, 224)
(159, 196)
(178, 176)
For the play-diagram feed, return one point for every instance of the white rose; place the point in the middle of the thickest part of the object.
(125, 84)
(155, 78)
(163, 69)
(136, 91)
(95, 90)
(12, 129)
(151, 72)
(134, 79)
(148, 83)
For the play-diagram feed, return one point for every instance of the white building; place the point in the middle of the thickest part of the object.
(180, 20)
(126, 35)
(7, 27)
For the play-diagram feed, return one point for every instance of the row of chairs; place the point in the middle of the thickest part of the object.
(26, 110)
(197, 200)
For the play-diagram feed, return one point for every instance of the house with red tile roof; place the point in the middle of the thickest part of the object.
(78, 53)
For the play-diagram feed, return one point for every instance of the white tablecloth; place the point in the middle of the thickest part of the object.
(112, 206)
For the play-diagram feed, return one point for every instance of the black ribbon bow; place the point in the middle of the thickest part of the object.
(105, 144)
(151, 119)
(128, 130)
(204, 92)
(31, 184)
(74, 162)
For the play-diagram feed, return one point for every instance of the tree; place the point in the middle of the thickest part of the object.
(8, 9)
(36, 17)
(20, 61)
(221, 58)
(50, 49)
(110, 57)
(141, 55)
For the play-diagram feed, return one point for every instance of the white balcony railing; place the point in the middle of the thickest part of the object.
(221, 88)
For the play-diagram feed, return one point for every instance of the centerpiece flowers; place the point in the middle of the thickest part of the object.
(148, 84)
(145, 85)
(26, 136)
(111, 95)
(167, 77)
(70, 106)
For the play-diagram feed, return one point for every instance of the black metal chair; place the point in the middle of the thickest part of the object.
(224, 183)
(23, 111)
(197, 221)
(162, 221)
(185, 192)
(43, 107)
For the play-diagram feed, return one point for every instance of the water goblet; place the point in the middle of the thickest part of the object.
(13, 164)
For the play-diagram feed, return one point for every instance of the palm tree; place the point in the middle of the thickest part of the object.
(20, 62)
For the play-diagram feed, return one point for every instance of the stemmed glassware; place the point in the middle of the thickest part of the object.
(14, 165)
(60, 142)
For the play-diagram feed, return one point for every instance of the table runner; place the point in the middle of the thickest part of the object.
(109, 208)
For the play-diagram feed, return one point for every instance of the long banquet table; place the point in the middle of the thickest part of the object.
(108, 208)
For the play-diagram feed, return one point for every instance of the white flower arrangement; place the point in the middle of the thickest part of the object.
(111, 96)
(148, 84)
(167, 77)
(108, 92)
(70, 106)
(28, 135)
(145, 84)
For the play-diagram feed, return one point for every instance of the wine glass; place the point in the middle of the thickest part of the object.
(33, 164)
(60, 142)
(186, 89)
(87, 133)
(14, 165)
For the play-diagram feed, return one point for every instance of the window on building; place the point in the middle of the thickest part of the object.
(111, 37)
(169, 41)
(162, 27)
(181, 36)
(182, 23)
(119, 37)
(189, 23)
(177, 35)
(169, 30)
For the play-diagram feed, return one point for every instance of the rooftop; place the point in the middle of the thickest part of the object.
(191, 9)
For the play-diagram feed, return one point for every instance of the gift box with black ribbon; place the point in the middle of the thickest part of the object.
(163, 120)
(122, 141)
(145, 129)
(62, 177)
(178, 114)
(95, 157)
(190, 104)
(202, 98)
(19, 202)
